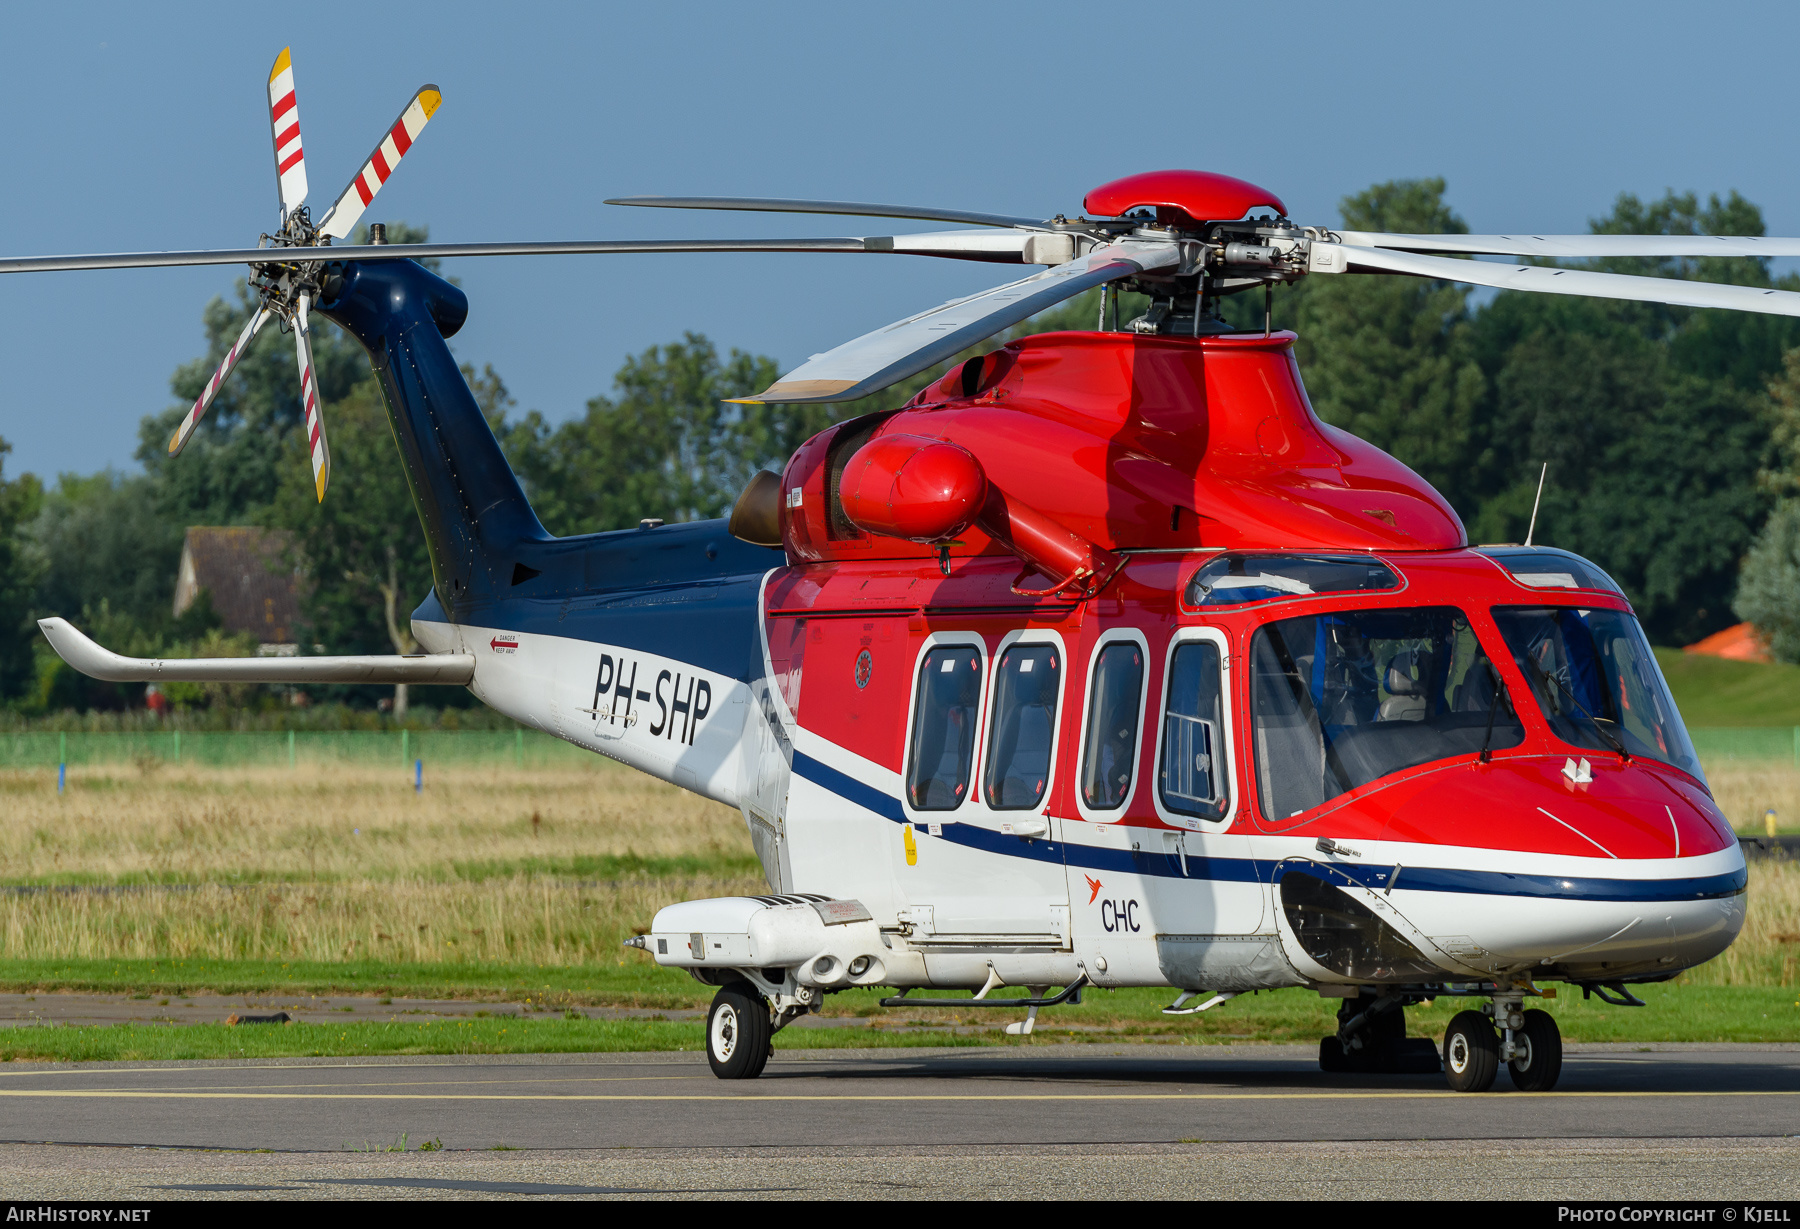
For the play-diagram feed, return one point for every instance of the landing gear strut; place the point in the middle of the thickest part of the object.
(1372, 1037)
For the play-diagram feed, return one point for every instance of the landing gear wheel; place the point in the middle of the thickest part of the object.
(738, 1033)
(1537, 1053)
(1333, 1058)
(1471, 1053)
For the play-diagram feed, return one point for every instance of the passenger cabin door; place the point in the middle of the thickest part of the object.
(981, 858)
(1194, 788)
(1164, 888)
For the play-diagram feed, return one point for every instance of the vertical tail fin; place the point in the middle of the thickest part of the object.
(474, 513)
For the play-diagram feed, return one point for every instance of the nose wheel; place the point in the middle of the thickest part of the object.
(1537, 1053)
(1471, 1053)
(1530, 1048)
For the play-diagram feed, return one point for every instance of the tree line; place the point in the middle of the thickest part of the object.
(1672, 438)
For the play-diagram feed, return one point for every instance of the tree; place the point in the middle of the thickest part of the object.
(101, 541)
(363, 548)
(1387, 358)
(20, 499)
(664, 445)
(1768, 592)
(230, 470)
(1654, 421)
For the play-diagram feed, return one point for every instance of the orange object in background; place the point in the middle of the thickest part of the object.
(1740, 643)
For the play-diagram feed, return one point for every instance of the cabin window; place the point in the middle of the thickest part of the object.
(1109, 750)
(941, 759)
(1545, 567)
(1339, 700)
(1193, 778)
(1237, 580)
(1026, 688)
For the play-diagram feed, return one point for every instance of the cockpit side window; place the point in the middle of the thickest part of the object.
(1027, 685)
(941, 755)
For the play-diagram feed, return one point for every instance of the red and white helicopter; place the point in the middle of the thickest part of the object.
(1103, 662)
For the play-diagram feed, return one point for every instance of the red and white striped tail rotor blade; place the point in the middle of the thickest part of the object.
(185, 431)
(405, 130)
(309, 399)
(284, 118)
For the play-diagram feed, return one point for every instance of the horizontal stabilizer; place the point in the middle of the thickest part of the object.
(96, 662)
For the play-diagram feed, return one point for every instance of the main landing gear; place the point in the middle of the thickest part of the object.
(739, 1033)
(1371, 1037)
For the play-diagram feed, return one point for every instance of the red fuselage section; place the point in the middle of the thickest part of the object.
(1165, 452)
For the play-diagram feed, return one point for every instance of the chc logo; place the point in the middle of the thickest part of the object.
(1117, 915)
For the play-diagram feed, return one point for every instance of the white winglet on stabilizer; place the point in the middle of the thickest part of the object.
(96, 662)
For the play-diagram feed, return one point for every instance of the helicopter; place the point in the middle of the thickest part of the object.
(1102, 662)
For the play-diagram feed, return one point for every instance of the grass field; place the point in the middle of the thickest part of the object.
(1711, 691)
(519, 886)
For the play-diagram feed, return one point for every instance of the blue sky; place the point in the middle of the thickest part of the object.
(128, 127)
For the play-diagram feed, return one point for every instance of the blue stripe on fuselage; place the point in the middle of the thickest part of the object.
(1249, 870)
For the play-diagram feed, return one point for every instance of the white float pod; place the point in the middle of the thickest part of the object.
(820, 940)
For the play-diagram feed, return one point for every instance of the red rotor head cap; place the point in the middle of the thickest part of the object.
(907, 486)
(1180, 197)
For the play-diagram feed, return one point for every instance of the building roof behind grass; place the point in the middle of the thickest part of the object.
(243, 569)
(1738, 643)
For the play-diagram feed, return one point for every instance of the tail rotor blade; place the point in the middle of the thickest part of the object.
(284, 119)
(309, 399)
(405, 130)
(185, 431)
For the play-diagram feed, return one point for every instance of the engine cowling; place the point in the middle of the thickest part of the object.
(911, 487)
(929, 491)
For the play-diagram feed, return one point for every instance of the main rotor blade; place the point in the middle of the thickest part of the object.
(1577, 247)
(1550, 280)
(914, 245)
(392, 147)
(185, 431)
(875, 360)
(309, 399)
(769, 204)
(284, 119)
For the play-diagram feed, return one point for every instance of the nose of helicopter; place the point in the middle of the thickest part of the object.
(1592, 868)
(1571, 806)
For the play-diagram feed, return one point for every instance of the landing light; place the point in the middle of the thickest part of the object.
(859, 966)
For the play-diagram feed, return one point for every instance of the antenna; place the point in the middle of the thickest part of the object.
(1532, 528)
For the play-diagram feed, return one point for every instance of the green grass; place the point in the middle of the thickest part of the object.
(1711, 691)
(610, 866)
(151, 1042)
(637, 982)
(1675, 1013)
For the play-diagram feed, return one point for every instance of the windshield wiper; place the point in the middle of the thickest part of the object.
(1599, 729)
(1493, 707)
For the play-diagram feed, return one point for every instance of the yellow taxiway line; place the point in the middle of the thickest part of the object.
(178, 1095)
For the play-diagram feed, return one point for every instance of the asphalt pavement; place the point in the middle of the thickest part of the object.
(1715, 1121)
